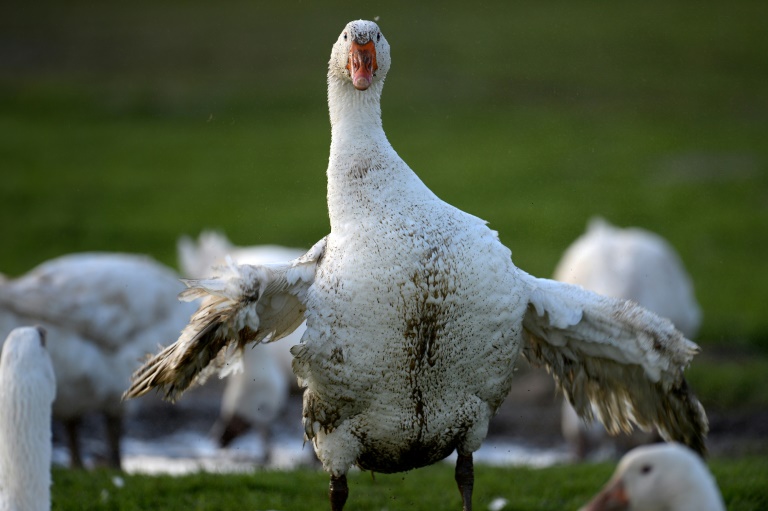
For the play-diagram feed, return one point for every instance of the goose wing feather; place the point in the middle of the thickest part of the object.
(246, 304)
(622, 358)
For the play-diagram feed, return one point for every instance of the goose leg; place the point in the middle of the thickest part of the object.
(225, 431)
(339, 491)
(266, 436)
(465, 478)
(72, 427)
(114, 433)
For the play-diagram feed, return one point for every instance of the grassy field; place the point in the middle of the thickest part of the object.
(742, 484)
(123, 126)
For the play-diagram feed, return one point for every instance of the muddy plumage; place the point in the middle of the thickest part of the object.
(415, 314)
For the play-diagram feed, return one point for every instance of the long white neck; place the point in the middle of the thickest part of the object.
(351, 109)
(364, 171)
(25, 434)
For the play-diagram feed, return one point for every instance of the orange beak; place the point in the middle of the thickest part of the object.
(362, 64)
(612, 498)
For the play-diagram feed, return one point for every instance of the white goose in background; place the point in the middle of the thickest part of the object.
(659, 477)
(103, 313)
(415, 315)
(27, 390)
(258, 394)
(633, 264)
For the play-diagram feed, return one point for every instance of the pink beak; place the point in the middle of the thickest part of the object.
(612, 498)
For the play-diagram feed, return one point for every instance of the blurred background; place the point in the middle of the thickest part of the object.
(126, 125)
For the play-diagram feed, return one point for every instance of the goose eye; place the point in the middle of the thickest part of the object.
(378, 37)
(646, 469)
(345, 36)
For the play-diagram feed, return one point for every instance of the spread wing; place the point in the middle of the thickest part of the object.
(622, 358)
(247, 304)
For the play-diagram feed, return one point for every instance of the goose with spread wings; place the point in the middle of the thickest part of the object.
(415, 315)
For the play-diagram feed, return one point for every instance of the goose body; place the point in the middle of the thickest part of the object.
(415, 315)
(104, 313)
(659, 477)
(256, 395)
(633, 264)
(27, 390)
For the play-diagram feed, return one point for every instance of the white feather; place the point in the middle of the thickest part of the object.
(660, 477)
(104, 313)
(258, 394)
(632, 264)
(27, 390)
(415, 315)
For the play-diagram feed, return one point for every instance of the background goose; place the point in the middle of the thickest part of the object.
(415, 315)
(258, 394)
(633, 264)
(660, 477)
(27, 389)
(103, 313)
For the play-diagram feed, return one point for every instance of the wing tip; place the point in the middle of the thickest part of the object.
(691, 426)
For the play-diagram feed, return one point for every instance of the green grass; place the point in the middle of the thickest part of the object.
(730, 383)
(742, 484)
(123, 127)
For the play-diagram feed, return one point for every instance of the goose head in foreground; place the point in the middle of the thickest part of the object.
(360, 57)
(27, 390)
(416, 314)
(659, 477)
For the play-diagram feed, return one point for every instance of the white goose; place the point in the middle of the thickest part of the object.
(659, 477)
(415, 315)
(27, 390)
(258, 394)
(104, 313)
(633, 264)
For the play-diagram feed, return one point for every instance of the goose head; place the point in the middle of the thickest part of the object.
(24, 344)
(659, 477)
(24, 348)
(360, 57)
